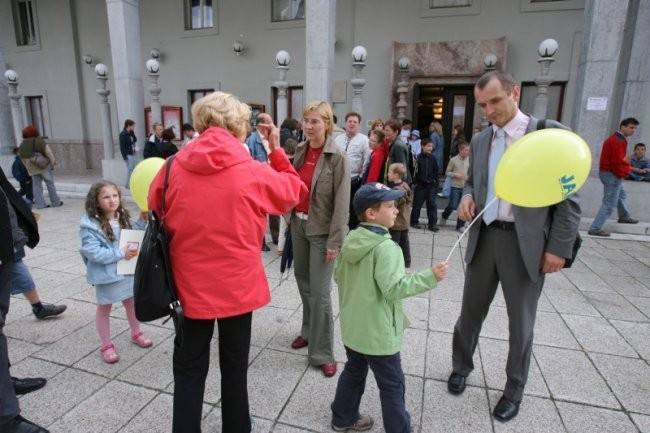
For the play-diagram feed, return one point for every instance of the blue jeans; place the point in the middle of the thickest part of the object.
(37, 185)
(130, 165)
(613, 195)
(421, 194)
(454, 200)
(352, 383)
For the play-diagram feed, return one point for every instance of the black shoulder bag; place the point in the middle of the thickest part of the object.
(577, 243)
(154, 289)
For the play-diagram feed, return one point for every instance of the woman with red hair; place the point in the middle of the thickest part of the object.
(33, 142)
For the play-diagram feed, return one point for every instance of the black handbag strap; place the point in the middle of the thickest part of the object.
(165, 184)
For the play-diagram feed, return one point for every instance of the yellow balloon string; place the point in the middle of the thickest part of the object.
(470, 225)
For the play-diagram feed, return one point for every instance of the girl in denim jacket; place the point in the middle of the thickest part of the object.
(100, 233)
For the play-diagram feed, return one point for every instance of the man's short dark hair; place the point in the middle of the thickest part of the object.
(426, 141)
(353, 113)
(507, 81)
(629, 121)
(406, 122)
(128, 122)
(393, 124)
(187, 127)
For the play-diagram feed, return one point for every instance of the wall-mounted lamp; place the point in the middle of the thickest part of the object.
(404, 63)
(283, 58)
(490, 62)
(155, 54)
(153, 66)
(11, 76)
(238, 48)
(101, 70)
(547, 48)
(359, 54)
(88, 59)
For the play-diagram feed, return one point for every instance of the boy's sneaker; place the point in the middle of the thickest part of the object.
(434, 228)
(364, 423)
(627, 220)
(443, 222)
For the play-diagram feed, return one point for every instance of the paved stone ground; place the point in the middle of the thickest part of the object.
(589, 372)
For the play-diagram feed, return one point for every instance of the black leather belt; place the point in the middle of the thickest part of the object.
(502, 225)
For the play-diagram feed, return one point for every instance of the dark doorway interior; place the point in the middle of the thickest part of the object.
(450, 105)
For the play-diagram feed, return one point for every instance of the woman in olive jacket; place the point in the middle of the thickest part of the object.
(317, 229)
(31, 143)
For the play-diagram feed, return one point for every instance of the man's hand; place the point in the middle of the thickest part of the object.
(552, 263)
(467, 208)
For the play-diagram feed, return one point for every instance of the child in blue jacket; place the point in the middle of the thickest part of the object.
(100, 233)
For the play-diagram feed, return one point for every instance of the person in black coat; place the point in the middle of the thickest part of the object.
(12, 207)
(20, 173)
(167, 148)
(426, 186)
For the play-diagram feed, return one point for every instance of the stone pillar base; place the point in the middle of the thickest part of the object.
(114, 170)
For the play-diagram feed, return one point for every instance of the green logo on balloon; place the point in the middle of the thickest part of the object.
(568, 185)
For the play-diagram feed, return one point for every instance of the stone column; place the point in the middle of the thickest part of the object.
(359, 55)
(8, 139)
(636, 87)
(546, 50)
(282, 59)
(124, 33)
(600, 53)
(16, 110)
(105, 111)
(320, 27)
(402, 87)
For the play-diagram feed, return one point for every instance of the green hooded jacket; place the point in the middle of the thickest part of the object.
(372, 282)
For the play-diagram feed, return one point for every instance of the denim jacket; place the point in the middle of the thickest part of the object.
(99, 253)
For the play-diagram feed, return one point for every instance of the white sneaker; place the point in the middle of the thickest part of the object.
(443, 221)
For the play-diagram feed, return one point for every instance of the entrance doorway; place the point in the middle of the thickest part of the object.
(450, 105)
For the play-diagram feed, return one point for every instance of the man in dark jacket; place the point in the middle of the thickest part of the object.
(17, 224)
(127, 148)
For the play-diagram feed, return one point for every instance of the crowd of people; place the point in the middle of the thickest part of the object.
(347, 200)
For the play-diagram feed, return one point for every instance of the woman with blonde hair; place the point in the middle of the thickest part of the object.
(215, 212)
(317, 229)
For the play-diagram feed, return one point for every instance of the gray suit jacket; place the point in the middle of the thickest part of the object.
(550, 229)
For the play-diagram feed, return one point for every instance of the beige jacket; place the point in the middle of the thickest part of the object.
(329, 200)
(457, 165)
(27, 148)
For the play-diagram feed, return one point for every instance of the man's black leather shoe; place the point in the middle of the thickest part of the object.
(456, 383)
(506, 409)
(28, 384)
(21, 425)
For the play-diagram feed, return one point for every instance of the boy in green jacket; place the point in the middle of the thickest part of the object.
(372, 283)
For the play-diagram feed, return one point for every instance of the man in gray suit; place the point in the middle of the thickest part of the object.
(513, 245)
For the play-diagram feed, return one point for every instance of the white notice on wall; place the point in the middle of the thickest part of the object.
(597, 103)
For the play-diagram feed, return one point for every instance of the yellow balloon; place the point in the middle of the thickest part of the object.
(543, 168)
(141, 179)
